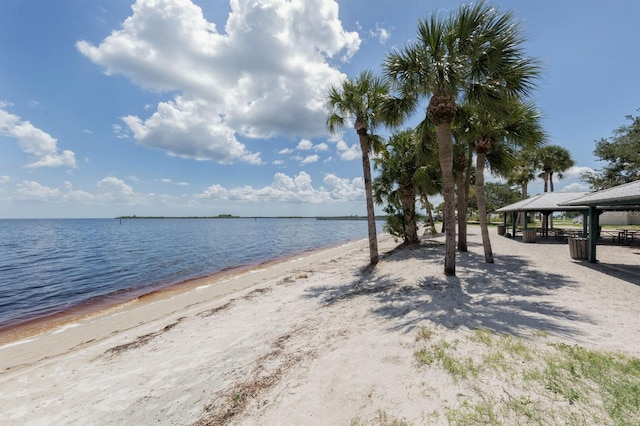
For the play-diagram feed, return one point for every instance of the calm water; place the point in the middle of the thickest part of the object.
(49, 266)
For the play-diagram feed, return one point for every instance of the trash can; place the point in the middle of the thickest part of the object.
(501, 229)
(578, 248)
(529, 235)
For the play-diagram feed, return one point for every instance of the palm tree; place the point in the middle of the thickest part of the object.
(500, 132)
(476, 54)
(553, 159)
(396, 183)
(523, 172)
(360, 100)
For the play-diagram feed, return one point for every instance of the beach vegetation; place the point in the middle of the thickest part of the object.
(475, 55)
(552, 383)
(359, 100)
(424, 333)
(382, 419)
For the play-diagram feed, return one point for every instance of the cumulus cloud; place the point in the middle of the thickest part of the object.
(575, 187)
(348, 153)
(292, 189)
(310, 159)
(265, 75)
(575, 172)
(110, 190)
(39, 144)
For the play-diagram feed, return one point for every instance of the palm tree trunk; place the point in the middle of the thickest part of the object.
(445, 155)
(463, 204)
(481, 158)
(368, 189)
(409, 210)
(429, 213)
(523, 196)
(462, 213)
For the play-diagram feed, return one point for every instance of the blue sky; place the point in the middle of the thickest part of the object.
(174, 107)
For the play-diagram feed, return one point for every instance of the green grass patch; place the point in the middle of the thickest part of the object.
(553, 384)
(577, 373)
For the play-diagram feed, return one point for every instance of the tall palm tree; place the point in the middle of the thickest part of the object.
(359, 100)
(477, 55)
(517, 125)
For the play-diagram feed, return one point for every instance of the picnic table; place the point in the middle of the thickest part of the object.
(626, 235)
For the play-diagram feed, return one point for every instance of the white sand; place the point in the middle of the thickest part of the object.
(318, 340)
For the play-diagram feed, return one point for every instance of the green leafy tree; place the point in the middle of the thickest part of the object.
(359, 100)
(476, 54)
(622, 154)
(497, 195)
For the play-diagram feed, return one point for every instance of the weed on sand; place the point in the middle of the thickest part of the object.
(504, 380)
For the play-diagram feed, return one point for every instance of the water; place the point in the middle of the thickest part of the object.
(50, 266)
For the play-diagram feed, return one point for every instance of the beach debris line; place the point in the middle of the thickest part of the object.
(266, 372)
(140, 341)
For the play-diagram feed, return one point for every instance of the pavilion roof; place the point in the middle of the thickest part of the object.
(622, 195)
(548, 201)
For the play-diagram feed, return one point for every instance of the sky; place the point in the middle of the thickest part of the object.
(209, 107)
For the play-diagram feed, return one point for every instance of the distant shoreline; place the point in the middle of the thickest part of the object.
(249, 217)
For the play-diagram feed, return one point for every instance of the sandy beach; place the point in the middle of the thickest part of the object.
(321, 340)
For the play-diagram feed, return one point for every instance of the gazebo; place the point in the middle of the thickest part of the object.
(622, 197)
(546, 203)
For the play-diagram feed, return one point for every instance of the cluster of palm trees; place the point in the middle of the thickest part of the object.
(471, 72)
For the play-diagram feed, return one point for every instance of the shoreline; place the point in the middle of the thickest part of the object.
(212, 287)
(114, 302)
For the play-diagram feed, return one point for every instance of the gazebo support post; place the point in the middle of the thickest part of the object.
(545, 222)
(585, 221)
(593, 233)
(513, 224)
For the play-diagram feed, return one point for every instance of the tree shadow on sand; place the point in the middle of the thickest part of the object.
(509, 296)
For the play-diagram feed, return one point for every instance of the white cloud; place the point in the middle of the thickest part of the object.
(285, 151)
(114, 189)
(381, 33)
(321, 147)
(310, 159)
(39, 144)
(575, 187)
(30, 190)
(265, 75)
(186, 128)
(171, 181)
(291, 189)
(305, 145)
(348, 153)
(575, 172)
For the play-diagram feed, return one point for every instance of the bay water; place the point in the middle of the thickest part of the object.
(48, 266)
